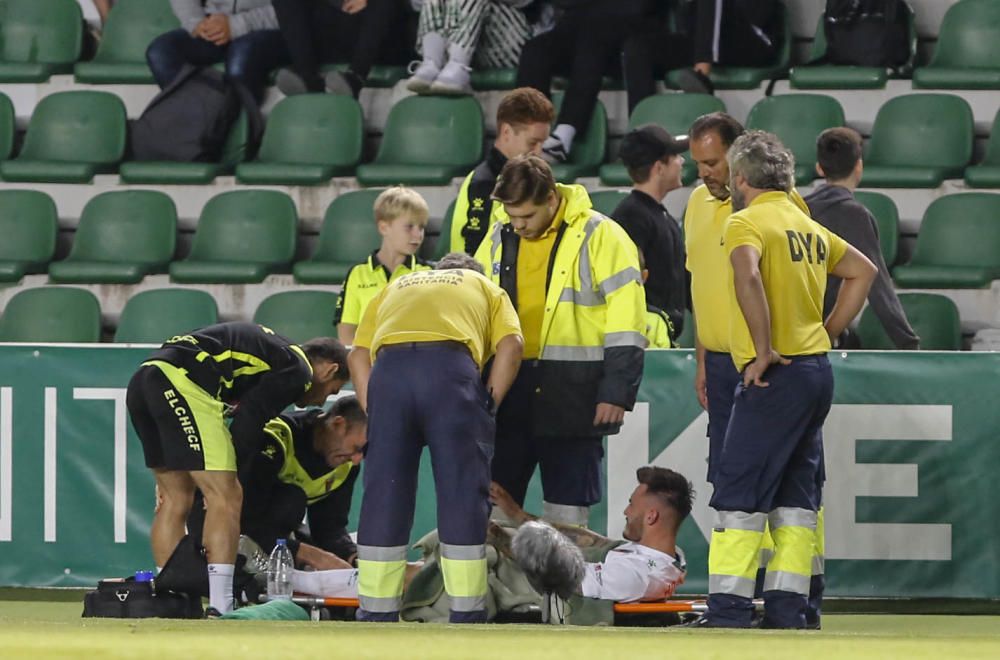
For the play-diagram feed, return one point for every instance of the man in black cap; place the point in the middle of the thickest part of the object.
(653, 160)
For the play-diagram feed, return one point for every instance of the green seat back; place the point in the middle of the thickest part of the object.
(443, 244)
(40, 31)
(130, 28)
(78, 126)
(797, 119)
(246, 226)
(687, 336)
(992, 155)
(134, 226)
(934, 318)
(7, 127)
(315, 129)
(969, 37)
(923, 130)
(29, 225)
(298, 315)
(349, 233)
(605, 201)
(151, 317)
(51, 314)
(887, 218)
(433, 130)
(960, 230)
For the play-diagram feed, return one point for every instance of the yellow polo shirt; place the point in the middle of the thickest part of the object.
(796, 254)
(364, 281)
(708, 263)
(439, 305)
(533, 258)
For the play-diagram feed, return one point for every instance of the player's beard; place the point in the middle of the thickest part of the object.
(739, 201)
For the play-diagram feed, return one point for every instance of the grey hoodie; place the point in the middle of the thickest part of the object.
(835, 208)
(245, 16)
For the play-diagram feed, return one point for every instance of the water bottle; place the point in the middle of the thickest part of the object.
(279, 572)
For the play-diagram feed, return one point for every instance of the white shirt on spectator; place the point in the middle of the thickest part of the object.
(633, 572)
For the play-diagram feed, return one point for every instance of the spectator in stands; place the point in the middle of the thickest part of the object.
(833, 206)
(653, 160)
(401, 217)
(585, 43)
(726, 32)
(318, 32)
(523, 120)
(241, 33)
(454, 33)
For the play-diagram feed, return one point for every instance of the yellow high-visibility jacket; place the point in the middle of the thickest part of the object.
(595, 315)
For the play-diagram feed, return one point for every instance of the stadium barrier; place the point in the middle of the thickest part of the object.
(912, 497)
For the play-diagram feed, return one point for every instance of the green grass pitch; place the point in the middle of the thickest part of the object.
(38, 629)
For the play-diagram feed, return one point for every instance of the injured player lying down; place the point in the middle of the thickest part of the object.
(648, 566)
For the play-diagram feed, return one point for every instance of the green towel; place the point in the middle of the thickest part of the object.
(275, 610)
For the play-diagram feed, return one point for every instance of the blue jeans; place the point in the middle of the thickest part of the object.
(249, 59)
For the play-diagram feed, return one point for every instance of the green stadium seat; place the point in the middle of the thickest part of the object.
(428, 141)
(299, 315)
(122, 236)
(739, 77)
(918, 141)
(958, 246)
(152, 317)
(674, 112)
(309, 138)
(490, 79)
(443, 242)
(887, 219)
(38, 38)
(7, 127)
(71, 137)
(242, 237)
(380, 76)
(588, 150)
(967, 54)
(29, 225)
(127, 33)
(987, 173)
(191, 174)
(686, 339)
(605, 201)
(798, 119)
(832, 76)
(934, 318)
(347, 237)
(51, 314)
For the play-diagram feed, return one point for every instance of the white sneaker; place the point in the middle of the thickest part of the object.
(423, 77)
(256, 558)
(454, 80)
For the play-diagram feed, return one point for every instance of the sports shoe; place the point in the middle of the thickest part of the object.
(454, 80)
(212, 613)
(256, 558)
(423, 76)
(554, 151)
(290, 83)
(345, 83)
(694, 82)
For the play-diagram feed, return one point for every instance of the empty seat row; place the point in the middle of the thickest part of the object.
(68, 314)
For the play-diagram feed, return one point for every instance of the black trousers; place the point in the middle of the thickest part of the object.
(316, 32)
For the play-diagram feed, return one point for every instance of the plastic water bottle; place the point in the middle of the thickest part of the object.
(279, 572)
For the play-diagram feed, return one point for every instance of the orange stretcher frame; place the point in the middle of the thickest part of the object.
(656, 607)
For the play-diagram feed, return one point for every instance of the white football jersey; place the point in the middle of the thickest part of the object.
(634, 572)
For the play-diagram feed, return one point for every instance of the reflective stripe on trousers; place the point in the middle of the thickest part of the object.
(733, 555)
(464, 571)
(381, 573)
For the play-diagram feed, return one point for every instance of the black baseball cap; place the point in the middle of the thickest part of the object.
(649, 143)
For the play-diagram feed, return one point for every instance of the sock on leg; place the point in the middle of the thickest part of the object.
(565, 133)
(434, 47)
(459, 55)
(220, 586)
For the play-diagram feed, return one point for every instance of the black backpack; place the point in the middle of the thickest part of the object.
(190, 119)
(866, 33)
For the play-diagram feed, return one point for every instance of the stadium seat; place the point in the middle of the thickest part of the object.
(347, 236)
(51, 314)
(967, 54)
(918, 141)
(242, 237)
(122, 236)
(686, 339)
(428, 141)
(443, 243)
(934, 318)
(154, 172)
(887, 219)
(958, 246)
(299, 315)
(309, 138)
(152, 317)
(987, 173)
(674, 112)
(490, 79)
(29, 225)
(605, 201)
(71, 137)
(798, 119)
(739, 77)
(832, 76)
(587, 154)
(38, 38)
(7, 127)
(127, 33)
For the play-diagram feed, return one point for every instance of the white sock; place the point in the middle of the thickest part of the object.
(565, 133)
(220, 586)
(459, 55)
(433, 46)
(334, 583)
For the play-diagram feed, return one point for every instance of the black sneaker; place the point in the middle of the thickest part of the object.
(212, 613)
(694, 82)
(555, 151)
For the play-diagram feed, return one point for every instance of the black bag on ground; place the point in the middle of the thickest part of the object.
(190, 119)
(128, 599)
(866, 33)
